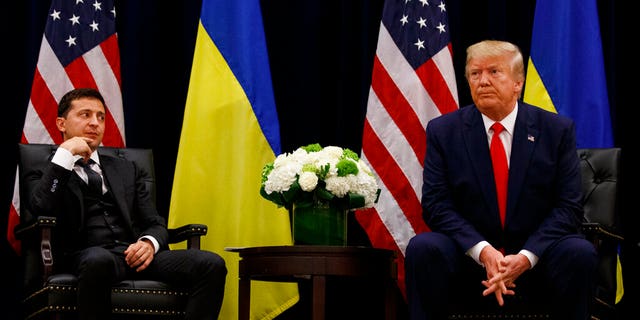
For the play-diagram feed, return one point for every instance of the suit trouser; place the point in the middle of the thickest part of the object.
(201, 271)
(437, 272)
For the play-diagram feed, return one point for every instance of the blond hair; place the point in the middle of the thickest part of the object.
(496, 48)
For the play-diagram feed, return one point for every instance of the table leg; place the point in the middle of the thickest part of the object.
(390, 299)
(244, 296)
(319, 286)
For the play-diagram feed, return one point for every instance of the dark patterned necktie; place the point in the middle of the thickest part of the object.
(94, 179)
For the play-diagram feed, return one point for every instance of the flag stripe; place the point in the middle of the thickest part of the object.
(392, 177)
(438, 81)
(395, 143)
(52, 71)
(80, 75)
(40, 122)
(111, 52)
(14, 217)
(398, 108)
(413, 81)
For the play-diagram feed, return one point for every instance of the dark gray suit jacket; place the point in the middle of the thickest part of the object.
(55, 191)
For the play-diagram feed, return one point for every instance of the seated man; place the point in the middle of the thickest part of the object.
(521, 226)
(109, 226)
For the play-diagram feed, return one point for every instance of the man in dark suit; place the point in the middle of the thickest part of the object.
(113, 230)
(470, 251)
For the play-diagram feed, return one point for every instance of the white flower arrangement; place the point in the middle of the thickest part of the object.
(316, 176)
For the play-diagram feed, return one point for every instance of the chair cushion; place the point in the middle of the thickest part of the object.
(600, 170)
(141, 297)
(148, 297)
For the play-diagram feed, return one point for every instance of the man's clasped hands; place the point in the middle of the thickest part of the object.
(502, 272)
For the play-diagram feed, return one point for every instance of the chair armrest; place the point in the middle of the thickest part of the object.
(597, 232)
(39, 230)
(190, 233)
(24, 230)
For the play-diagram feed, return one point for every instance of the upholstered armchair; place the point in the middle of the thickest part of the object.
(49, 294)
(600, 169)
(600, 172)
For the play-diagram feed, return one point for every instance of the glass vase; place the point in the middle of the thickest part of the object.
(319, 225)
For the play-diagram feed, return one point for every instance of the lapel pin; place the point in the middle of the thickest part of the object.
(531, 138)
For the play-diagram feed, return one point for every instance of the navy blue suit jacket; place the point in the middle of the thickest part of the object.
(544, 192)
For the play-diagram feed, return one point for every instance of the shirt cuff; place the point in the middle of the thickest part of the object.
(533, 259)
(474, 252)
(156, 245)
(64, 158)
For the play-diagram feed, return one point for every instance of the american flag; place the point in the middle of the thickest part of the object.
(79, 49)
(413, 81)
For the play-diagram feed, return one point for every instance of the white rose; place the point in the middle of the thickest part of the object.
(308, 181)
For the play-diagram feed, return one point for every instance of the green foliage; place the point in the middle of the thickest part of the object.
(314, 147)
(347, 153)
(265, 172)
(346, 167)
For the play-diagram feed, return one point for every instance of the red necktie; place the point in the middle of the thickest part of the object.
(500, 169)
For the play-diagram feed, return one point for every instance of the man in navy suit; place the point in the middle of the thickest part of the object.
(113, 231)
(469, 253)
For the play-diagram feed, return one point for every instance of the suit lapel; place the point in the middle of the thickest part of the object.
(75, 182)
(75, 185)
(525, 138)
(477, 144)
(114, 174)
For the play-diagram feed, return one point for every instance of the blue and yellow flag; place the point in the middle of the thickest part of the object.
(566, 75)
(230, 131)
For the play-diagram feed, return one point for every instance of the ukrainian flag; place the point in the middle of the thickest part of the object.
(566, 75)
(230, 131)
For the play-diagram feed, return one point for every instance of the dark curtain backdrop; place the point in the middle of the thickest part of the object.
(320, 51)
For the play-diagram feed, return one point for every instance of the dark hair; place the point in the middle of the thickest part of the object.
(75, 94)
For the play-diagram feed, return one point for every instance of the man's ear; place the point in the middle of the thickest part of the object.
(518, 86)
(60, 124)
